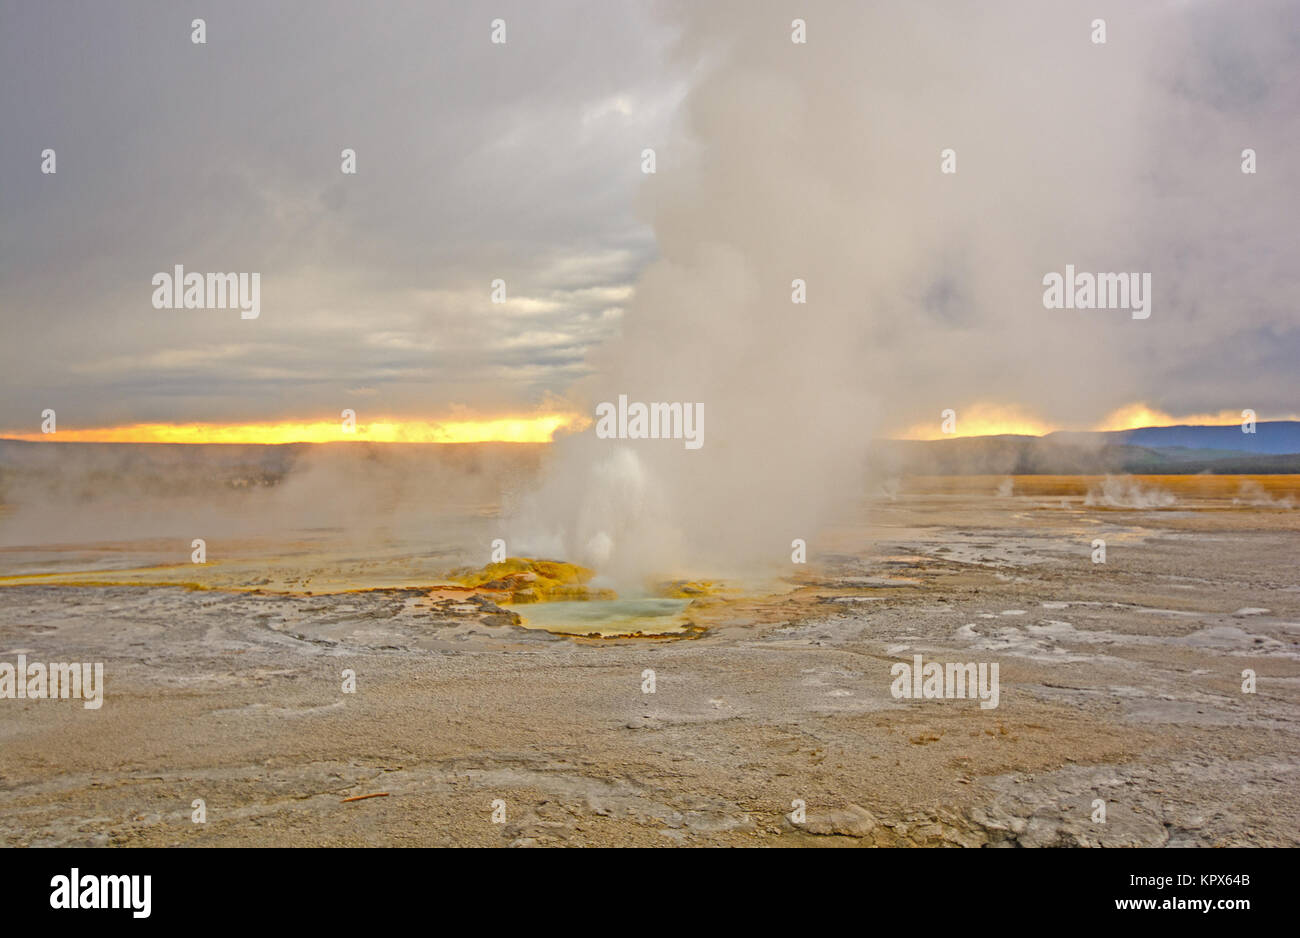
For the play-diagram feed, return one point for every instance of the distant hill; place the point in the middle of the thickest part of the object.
(1275, 437)
(1273, 448)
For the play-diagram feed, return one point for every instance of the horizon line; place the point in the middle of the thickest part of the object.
(516, 431)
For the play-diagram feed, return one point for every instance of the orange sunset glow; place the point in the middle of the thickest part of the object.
(981, 420)
(538, 428)
(973, 420)
(994, 419)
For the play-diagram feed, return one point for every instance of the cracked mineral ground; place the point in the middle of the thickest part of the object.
(771, 723)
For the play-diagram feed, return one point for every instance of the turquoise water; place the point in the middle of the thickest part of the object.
(606, 616)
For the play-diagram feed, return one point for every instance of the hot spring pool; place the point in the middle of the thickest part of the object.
(607, 616)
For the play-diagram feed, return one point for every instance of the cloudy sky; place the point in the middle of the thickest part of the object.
(523, 162)
(475, 161)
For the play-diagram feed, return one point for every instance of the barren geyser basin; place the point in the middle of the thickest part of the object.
(691, 710)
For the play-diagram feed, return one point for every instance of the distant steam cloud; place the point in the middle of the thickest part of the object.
(1127, 492)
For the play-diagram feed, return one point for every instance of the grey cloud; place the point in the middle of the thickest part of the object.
(475, 162)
